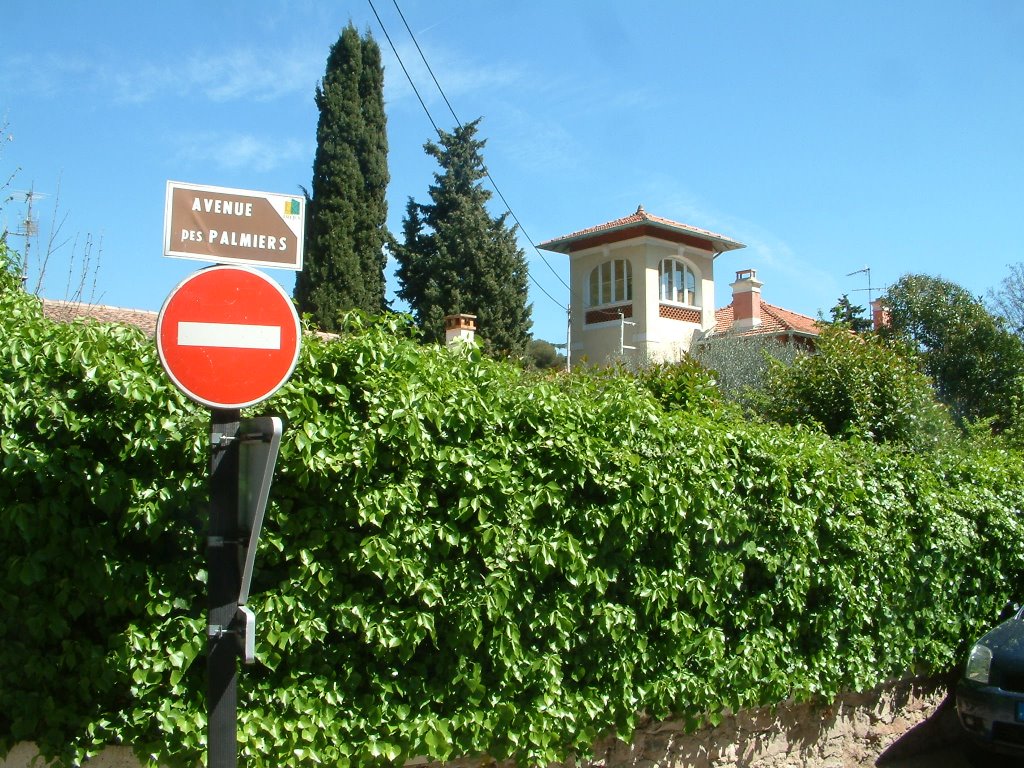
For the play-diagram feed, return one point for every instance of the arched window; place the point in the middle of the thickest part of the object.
(610, 283)
(677, 283)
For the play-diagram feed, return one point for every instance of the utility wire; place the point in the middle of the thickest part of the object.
(430, 117)
(438, 132)
(420, 51)
(402, 64)
(459, 123)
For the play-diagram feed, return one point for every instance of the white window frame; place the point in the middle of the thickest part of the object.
(673, 285)
(607, 282)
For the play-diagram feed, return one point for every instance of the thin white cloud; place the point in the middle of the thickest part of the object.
(533, 146)
(458, 77)
(239, 151)
(798, 282)
(805, 285)
(43, 76)
(137, 85)
(226, 76)
(229, 76)
(244, 74)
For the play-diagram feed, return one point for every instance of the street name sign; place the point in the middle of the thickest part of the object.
(233, 226)
(228, 336)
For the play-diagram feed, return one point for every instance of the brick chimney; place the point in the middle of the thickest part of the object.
(879, 315)
(746, 300)
(459, 328)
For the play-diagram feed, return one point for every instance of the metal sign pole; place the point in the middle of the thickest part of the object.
(223, 582)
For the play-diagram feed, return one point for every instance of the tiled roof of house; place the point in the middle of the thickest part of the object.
(635, 225)
(143, 319)
(67, 311)
(774, 320)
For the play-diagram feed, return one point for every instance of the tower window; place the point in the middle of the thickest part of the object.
(610, 283)
(677, 283)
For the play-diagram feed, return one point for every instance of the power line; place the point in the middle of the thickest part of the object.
(459, 123)
(402, 64)
(420, 51)
(489, 177)
(436, 130)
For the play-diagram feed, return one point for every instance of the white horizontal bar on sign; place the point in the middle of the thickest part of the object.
(233, 335)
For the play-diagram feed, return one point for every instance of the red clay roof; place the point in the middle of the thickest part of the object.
(67, 311)
(641, 223)
(774, 320)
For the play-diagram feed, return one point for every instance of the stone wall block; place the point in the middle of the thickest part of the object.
(907, 717)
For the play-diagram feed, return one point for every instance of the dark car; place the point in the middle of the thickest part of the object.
(990, 695)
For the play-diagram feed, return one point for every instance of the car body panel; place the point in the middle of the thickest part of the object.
(992, 713)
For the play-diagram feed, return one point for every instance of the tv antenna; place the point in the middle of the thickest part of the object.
(28, 227)
(867, 271)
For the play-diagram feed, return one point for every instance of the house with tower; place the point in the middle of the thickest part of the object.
(643, 288)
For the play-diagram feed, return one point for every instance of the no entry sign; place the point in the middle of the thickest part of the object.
(228, 337)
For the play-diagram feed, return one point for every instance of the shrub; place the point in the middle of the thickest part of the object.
(740, 363)
(975, 362)
(857, 386)
(461, 557)
(101, 484)
(542, 355)
(681, 385)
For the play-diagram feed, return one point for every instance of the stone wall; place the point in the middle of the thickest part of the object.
(896, 721)
(25, 755)
(893, 721)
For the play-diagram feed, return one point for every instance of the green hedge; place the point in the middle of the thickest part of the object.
(460, 557)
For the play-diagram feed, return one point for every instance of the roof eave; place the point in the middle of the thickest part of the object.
(564, 244)
(758, 330)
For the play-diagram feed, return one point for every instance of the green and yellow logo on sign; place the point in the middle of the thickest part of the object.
(291, 207)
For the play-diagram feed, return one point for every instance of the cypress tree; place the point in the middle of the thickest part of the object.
(346, 211)
(457, 258)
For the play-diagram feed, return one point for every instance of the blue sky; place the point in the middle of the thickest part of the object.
(828, 137)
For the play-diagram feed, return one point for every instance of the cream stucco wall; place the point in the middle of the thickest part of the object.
(598, 343)
(655, 337)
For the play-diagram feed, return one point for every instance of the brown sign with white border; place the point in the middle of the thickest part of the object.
(233, 226)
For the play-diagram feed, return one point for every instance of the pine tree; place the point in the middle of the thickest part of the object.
(457, 258)
(848, 314)
(346, 229)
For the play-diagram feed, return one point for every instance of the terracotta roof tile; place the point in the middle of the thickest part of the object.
(68, 311)
(773, 320)
(640, 218)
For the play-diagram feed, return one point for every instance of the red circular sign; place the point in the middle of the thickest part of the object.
(228, 336)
